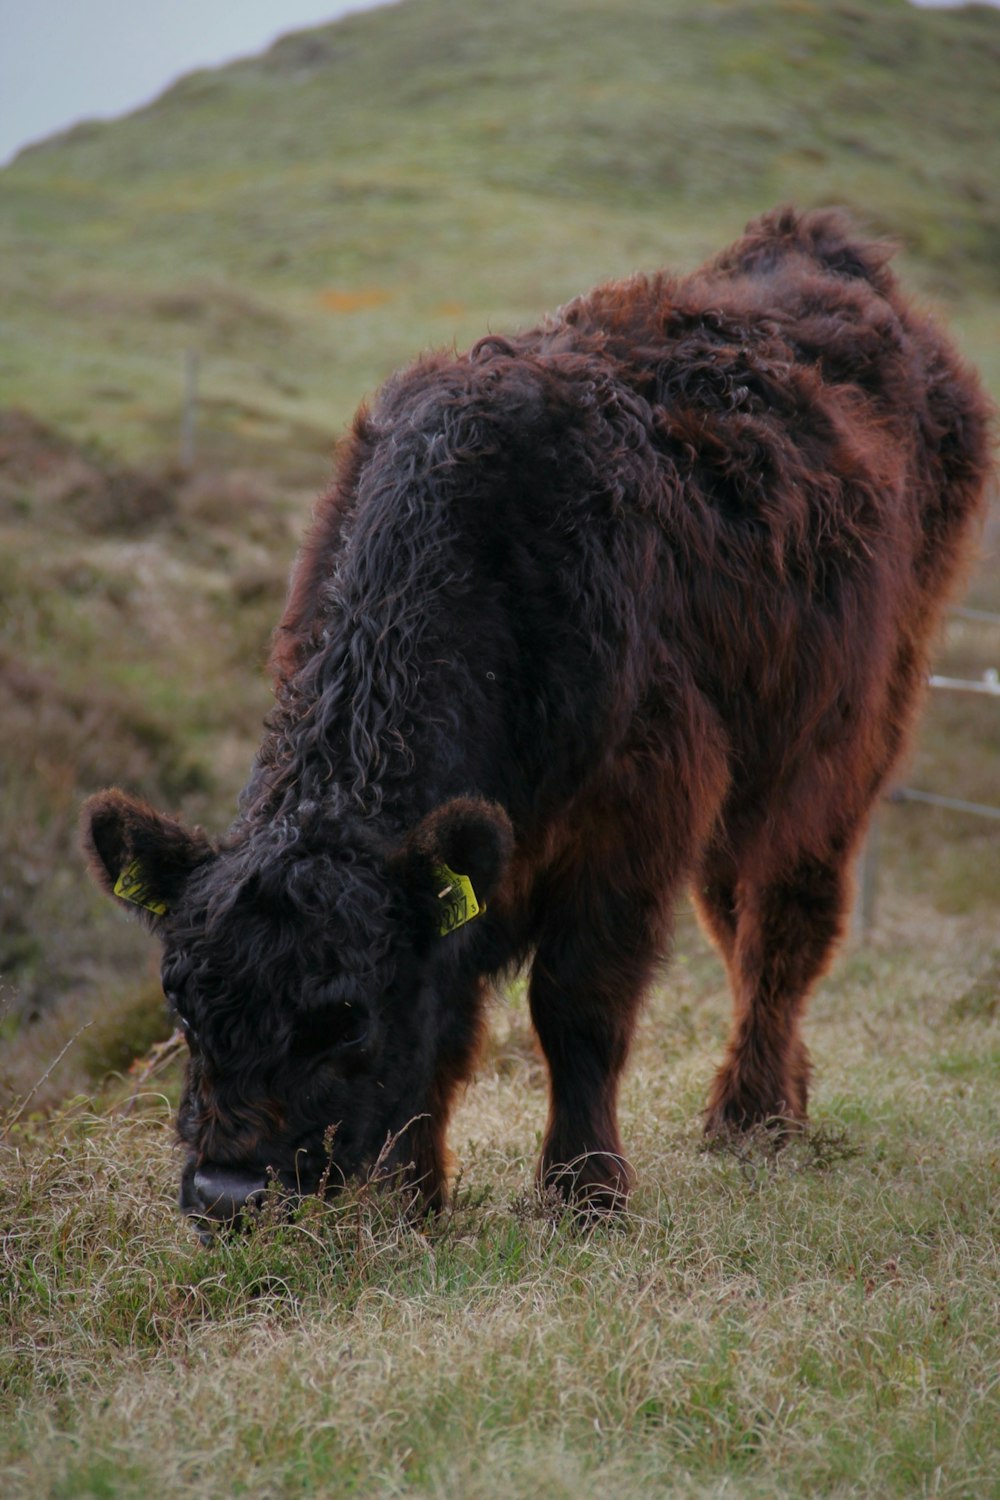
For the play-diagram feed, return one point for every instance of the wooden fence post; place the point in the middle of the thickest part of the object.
(863, 915)
(189, 412)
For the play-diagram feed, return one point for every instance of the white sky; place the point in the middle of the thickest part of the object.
(67, 60)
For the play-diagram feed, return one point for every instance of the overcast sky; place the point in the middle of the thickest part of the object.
(67, 60)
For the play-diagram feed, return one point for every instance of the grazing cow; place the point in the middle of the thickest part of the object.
(637, 599)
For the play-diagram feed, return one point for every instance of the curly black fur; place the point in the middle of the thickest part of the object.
(638, 598)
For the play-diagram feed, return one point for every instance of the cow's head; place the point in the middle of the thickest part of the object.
(307, 963)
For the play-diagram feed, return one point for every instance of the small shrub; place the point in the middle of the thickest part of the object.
(124, 1032)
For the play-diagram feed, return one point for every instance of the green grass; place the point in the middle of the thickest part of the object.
(823, 1321)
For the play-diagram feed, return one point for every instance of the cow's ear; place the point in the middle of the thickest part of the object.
(137, 855)
(454, 859)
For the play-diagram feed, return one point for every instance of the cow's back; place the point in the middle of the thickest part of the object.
(822, 453)
(727, 505)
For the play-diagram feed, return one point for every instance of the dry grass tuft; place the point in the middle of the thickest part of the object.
(820, 1319)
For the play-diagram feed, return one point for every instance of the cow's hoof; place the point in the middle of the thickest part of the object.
(594, 1185)
(734, 1122)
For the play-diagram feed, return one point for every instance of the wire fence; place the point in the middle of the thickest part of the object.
(988, 685)
(962, 612)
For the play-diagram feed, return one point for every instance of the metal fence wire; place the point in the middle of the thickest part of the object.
(988, 685)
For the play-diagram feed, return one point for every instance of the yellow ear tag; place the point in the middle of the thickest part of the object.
(458, 900)
(131, 886)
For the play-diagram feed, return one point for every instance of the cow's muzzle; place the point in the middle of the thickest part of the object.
(216, 1197)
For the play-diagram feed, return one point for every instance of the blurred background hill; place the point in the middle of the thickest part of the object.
(304, 221)
(310, 217)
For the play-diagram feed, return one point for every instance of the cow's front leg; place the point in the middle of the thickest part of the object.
(429, 1164)
(585, 995)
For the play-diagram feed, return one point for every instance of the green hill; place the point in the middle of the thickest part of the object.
(308, 218)
(821, 1322)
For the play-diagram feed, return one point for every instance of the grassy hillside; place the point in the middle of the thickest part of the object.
(306, 220)
(820, 1323)
(309, 218)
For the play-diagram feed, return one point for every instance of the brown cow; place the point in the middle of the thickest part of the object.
(640, 598)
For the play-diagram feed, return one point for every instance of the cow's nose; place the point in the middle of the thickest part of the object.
(221, 1193)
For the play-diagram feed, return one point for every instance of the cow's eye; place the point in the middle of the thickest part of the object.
(182, 1020)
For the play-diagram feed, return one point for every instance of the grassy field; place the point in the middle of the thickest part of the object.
(824, 1321)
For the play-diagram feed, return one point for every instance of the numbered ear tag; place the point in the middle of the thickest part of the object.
(459, 903)
(131, 886)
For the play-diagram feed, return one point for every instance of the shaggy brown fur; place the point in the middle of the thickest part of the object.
(640, 598)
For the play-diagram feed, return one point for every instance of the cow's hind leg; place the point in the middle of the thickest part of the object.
(783, 933)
